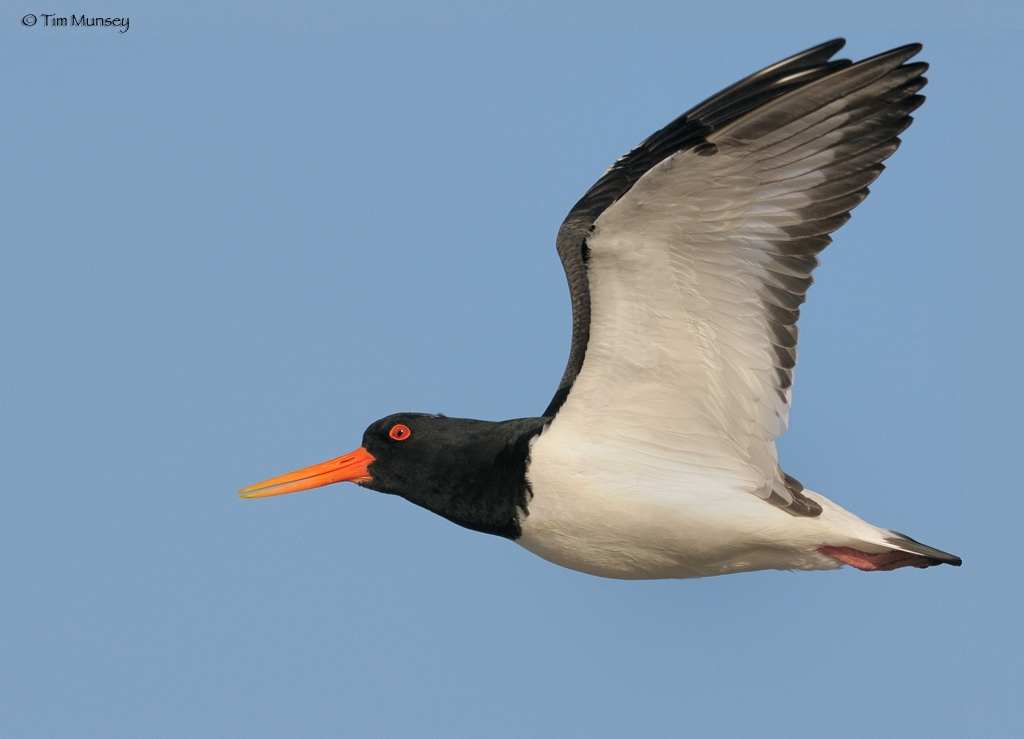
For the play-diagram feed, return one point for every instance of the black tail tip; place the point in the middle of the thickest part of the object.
(933, 555)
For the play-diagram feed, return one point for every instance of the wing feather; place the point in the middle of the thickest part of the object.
(690, 273)
(686, 132)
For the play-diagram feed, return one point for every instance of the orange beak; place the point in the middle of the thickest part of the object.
(349, 468)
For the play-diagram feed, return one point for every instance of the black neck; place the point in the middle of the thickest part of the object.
(471, 472)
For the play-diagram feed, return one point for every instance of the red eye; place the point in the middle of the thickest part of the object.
(399, 432)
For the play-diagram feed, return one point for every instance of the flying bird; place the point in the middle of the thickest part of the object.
(687, 265)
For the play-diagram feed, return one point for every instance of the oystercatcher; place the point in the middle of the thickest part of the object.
(687, 264)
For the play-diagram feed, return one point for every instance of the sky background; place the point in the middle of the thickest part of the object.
(233, 237)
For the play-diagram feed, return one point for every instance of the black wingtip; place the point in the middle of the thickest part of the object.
(936, 556)
(813, 56)
(831, 47)
(900, 54)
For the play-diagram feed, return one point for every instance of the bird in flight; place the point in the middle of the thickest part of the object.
(687, 265)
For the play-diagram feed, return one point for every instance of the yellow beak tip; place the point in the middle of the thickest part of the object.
(256, 492)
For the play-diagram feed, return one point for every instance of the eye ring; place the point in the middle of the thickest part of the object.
(399, 432)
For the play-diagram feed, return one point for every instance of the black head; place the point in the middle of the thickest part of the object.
(471, 472)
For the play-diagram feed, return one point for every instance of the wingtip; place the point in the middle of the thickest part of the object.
(834, 45)
(811, 57)
(900, 54)
(936, 556)
(822, 51)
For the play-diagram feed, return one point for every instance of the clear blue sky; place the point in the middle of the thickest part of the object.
(231, 238)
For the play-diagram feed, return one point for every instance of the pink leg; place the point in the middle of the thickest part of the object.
(869, 562)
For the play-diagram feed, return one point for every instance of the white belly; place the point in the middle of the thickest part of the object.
(612, 512)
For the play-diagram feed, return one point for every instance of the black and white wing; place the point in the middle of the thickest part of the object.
(689, 259)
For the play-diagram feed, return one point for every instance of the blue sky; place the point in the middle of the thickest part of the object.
(230, 239)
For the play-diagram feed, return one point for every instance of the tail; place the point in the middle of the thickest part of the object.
(903, 552)
(859, 544)
(934, 556)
